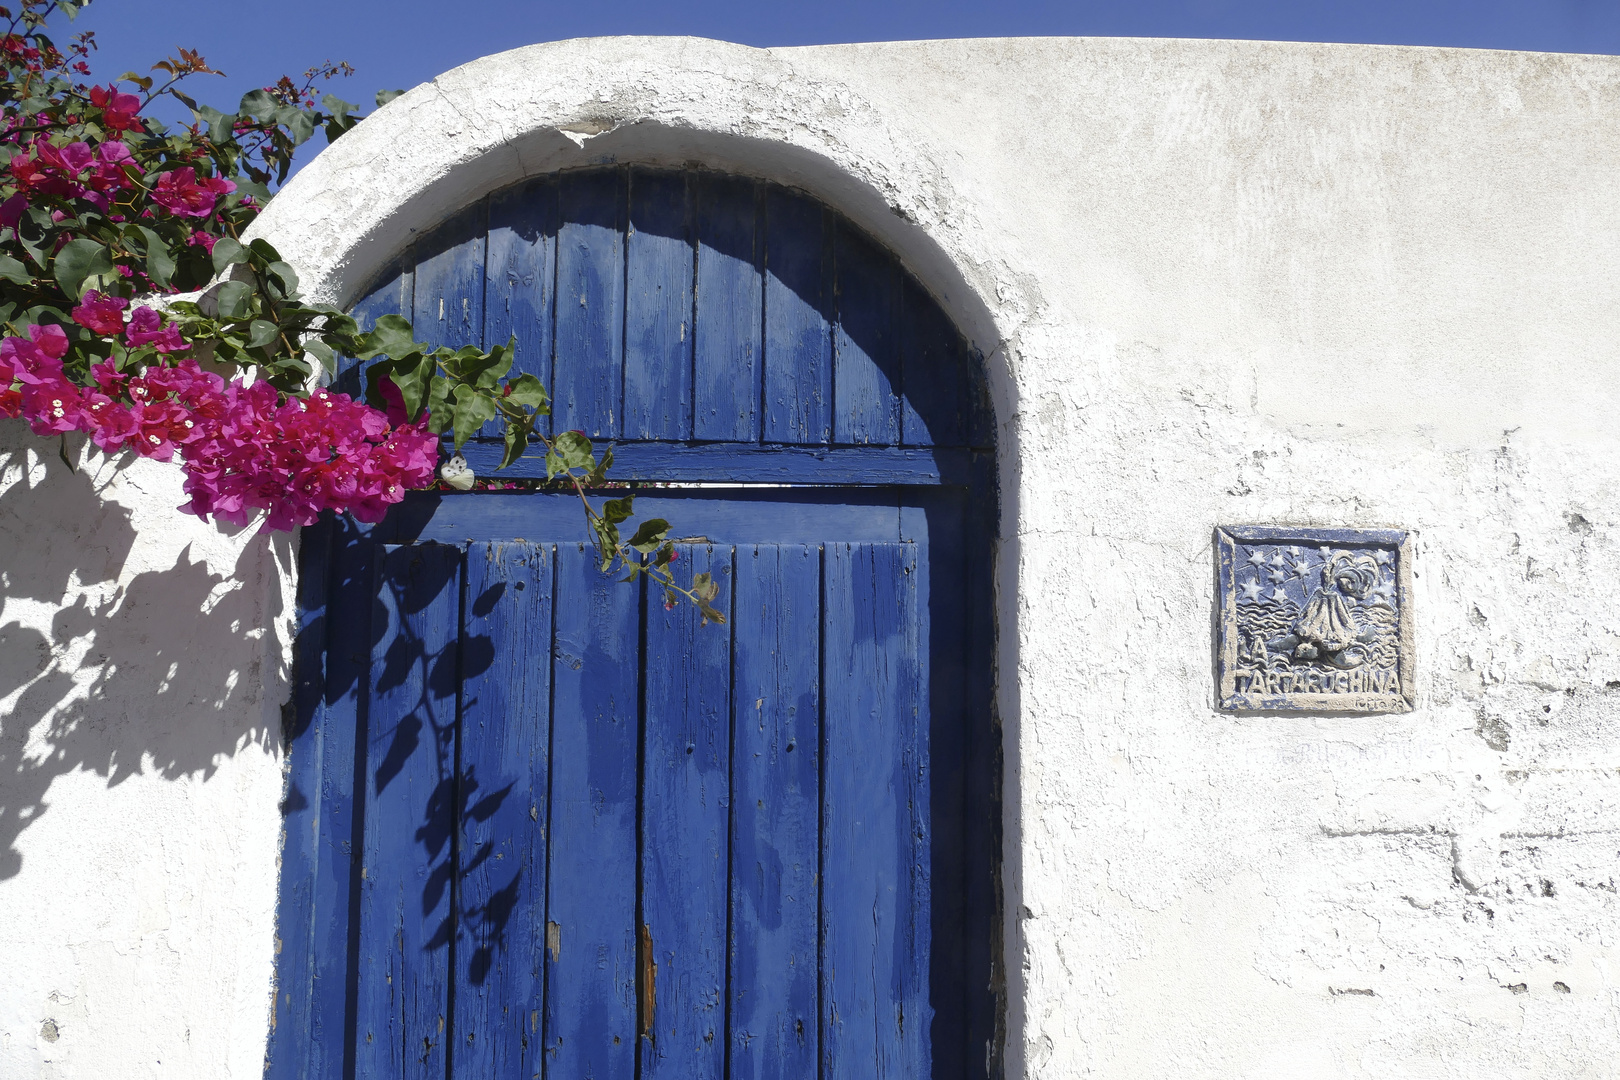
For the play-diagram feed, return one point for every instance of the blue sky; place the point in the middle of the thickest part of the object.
(399, 43)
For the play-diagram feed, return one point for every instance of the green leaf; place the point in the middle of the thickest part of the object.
(472, 411)
(375, 374)
(385, 96)
(262, 332)
(14, 270)
(219, 124)
(227, 253)
(235, 300)
(337, 106)
(322, 352)
(617, 510)
(391, 336)
(650, 535)
(285, 276)
(527, 390)
(259, 105)
(574, 449)
(705, 589)
(413, 381)
(78, 261)
(262, 253)
(438, 404)
(160, 263)
(300, 124)
(487, 369)
(606, 537)
(517, 441)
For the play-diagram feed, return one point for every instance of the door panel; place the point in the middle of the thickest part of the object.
(686, 797)
(776, 816)
(539, 825)
(874, 854)
(405, 913)
(599, 839)
(499, 974)
(590, 1012)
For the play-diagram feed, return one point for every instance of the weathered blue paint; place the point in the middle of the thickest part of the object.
(866, 346)
(668, 306)
(685, 812)
(875, 860)
(729, 323)
(520, 279)
(407, 862)
(584, 834)
(658, 308)
(776, 817)
(503, 807)
(588, 362)
(798, 320)
(590, 1011)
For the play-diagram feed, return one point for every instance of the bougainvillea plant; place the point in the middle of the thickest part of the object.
(106, 214)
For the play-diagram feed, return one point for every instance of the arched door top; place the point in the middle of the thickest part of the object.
(710, 315)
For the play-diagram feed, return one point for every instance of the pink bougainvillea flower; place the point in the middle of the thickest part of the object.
(243, 448)
(146, 328)
(114, 154)
(182, 194)
(50, 340)
(12, 210)
(204, 240)
(103, 315)
(119, 110)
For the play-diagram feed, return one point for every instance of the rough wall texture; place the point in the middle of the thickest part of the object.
(1217, 283)
(142, 672)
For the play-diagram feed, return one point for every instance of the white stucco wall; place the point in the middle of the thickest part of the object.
(1217, 283)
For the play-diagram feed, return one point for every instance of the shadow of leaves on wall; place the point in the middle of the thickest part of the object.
(110, 671)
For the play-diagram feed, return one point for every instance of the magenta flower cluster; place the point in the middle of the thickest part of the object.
(74, 171)
(243, 448)
(97, 176)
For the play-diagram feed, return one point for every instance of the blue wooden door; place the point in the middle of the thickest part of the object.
(540, 825)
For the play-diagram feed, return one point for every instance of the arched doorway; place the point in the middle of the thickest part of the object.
(539, 826)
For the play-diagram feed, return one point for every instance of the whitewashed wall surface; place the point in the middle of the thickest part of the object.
(1216, 283)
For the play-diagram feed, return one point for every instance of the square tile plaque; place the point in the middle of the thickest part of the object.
(1314, 620)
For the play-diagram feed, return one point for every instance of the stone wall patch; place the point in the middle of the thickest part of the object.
(1314, 620)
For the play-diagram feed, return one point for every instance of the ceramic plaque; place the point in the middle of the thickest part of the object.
(1314, 620)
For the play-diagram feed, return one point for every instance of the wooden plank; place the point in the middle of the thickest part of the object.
(776, 816)
(658, 308)
(521, 278)
(346, 699)
(589, 357)
(448, 303)
(720, 462)
(729, 322)
(981, 418)
(289, 1053)
(590, 1004)
(875, 822)
(503, 803)
(684, 827)
(866, 347)
(798, 319)
(931, 372)
(406, 920)
(936, 532)
(983, 977)
(750, 516)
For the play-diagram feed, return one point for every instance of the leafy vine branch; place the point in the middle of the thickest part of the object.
(106, 213)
